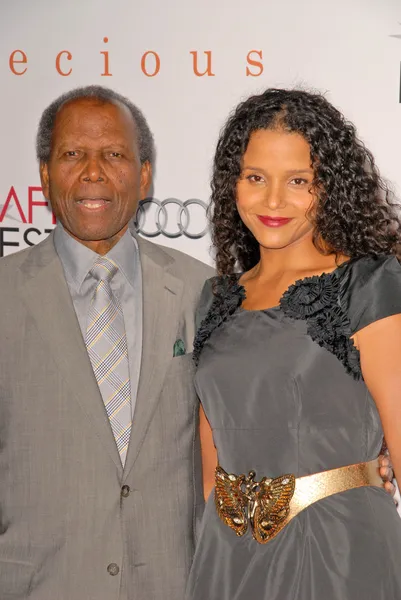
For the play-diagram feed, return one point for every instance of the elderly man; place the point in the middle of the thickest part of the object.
(99, 456)
(98, 443)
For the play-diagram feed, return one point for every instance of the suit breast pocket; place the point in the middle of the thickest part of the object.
(15, 579)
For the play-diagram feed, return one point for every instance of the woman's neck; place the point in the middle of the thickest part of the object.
(295, 260)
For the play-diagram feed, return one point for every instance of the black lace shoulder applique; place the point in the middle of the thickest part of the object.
(318, 301)
(229, 295)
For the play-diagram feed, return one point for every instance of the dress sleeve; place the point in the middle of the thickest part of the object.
(373, 291)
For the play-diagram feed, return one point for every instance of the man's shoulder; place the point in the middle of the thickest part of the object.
(23, 260)
(186, 267)
(192, 267)
(14, 261)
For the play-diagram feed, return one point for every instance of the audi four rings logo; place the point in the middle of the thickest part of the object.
(172, 218)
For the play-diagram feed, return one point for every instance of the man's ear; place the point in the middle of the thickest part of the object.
(44, 179)
(146, 179)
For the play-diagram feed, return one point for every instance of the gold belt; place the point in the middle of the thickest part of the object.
(270, 504)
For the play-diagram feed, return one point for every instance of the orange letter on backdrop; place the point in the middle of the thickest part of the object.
(32, 203)
(13, 61)
(254, 63)
(157, 63)
(58, 57)
(208, 71)
(12, 194)
(106, 61)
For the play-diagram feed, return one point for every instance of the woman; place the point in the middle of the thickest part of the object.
(299, 362)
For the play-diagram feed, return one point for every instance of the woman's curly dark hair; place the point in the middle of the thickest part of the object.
(354, 214)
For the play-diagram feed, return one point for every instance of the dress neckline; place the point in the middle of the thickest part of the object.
(319, 300)
(298, 282)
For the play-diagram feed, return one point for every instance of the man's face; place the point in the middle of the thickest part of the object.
(94, 178)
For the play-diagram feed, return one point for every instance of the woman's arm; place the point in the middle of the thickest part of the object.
(380, 347)
(209, 454)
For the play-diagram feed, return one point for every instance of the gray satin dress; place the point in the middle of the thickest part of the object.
(283, 391)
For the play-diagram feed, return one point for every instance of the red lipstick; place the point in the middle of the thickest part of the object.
(273, 221)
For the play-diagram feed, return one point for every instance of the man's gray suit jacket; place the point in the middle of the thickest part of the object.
(73, 524)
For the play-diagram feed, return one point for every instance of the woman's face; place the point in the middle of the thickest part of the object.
(274, 191)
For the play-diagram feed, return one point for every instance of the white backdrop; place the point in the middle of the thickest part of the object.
(349, 48)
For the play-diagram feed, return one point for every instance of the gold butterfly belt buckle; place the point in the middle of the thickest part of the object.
(264, 504)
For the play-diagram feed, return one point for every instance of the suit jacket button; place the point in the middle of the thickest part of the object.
(113, 569)
(125, 490)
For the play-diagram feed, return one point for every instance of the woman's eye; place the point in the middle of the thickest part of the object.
(255, 178)
(299, 181)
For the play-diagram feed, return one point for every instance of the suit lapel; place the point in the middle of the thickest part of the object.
(161, 309)
(48, 300)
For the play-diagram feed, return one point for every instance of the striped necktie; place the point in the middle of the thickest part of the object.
(106, 343)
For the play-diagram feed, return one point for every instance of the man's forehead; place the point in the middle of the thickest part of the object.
(85, 108)
(80, 116)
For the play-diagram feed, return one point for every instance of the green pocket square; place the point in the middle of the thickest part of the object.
(179, 348)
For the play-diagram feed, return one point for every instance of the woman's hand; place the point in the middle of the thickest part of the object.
(387, 474)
